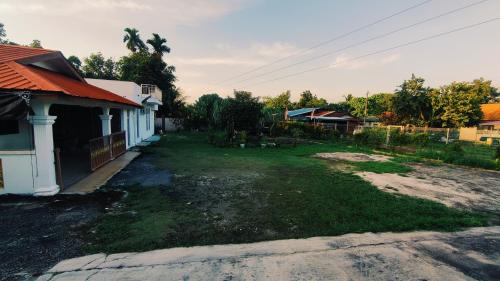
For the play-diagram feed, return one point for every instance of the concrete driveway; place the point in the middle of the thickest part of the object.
(473, 254)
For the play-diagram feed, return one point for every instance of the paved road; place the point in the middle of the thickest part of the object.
(473, 254)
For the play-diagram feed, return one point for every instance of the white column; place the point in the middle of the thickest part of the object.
(45, 178)
(106, 121)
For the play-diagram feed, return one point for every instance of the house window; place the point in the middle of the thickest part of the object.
(9, 127)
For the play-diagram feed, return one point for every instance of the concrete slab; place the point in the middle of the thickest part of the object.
(473, 254)
(101, 175)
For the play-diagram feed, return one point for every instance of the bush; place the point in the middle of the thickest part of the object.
(242, 137)
(219, 138)
(370, 137)
(497, 153)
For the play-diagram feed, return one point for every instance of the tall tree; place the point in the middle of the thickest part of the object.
(412, 103)
(35, 44)
(278, 103)
(459, 104)
(75, 62)
(158, 44)
(307, 99)
(97, 67)
(3, 33)
(133, 41)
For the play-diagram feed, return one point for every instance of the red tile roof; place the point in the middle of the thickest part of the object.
(14, 52)
(491, 111)
(16, 76)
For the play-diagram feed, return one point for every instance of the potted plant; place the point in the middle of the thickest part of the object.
(243, 139)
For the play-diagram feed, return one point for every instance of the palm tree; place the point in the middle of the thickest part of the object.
(133, 40)
(158, 44)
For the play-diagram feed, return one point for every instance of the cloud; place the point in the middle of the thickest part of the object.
(274, 50)
(254, 55)
(205, 61)
(176, 12)
(345, 61)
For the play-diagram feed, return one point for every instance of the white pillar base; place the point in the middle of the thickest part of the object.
(47, 191)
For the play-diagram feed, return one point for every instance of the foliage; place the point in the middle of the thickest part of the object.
(279, 103)
(459, 104)
(370, 137)
(3, 33)
(133, 41)
(202, 113)
(158, 44)
(242, 137)
(76, 63)
(97, 67)
(411, 103)
(307, 99)
(35, 44)
(303, 130)
(497, 153)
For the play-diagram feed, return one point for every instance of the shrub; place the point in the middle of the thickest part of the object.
(497, 153)
(242, 137)
(219, 138)
(370, 137)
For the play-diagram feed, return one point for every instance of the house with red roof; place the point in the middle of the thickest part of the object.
(491, 116)
(55, 127)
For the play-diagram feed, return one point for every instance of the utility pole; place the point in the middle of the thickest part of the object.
(366, 109)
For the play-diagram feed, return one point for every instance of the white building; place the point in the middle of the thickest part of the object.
(140, 121)
(56, 128)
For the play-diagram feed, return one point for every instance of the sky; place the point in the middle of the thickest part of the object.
(215, 42)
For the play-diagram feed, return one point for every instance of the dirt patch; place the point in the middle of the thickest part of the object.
(38, 232)
(454, 186)
(353, 157)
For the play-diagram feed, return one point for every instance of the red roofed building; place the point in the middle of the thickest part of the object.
(46, 106)
(491, 116)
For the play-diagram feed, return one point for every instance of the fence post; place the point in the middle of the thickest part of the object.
(447, 135)
(388, 136)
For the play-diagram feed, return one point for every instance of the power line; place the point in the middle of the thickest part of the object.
(329, 40)
(378, 52)
(364, 41)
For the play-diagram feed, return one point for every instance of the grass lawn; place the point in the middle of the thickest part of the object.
(232, 195)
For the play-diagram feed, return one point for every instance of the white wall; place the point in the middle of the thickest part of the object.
(137, 117)
(18, 168)
(126, 89)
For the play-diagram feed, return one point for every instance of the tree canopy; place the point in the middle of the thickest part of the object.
(307, 99)
(158, 44)
(97, 67)
(133, 41)
(412, 103)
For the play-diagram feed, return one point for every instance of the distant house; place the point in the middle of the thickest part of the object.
(55, 127)
(143, 119)
(340, 121)
(491, 116)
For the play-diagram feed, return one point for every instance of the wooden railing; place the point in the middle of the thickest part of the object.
(106, 148)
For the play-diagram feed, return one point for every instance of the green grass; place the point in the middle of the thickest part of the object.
(232, 195)
(382, 167)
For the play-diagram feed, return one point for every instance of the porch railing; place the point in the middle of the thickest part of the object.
(106, 148)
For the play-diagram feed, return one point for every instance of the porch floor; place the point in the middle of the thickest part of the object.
(98, 178)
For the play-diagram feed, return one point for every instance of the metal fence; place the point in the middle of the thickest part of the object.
(106, 148)
(446, 135)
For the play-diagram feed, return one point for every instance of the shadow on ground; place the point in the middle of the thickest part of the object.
(142, 171)
(38, 232)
